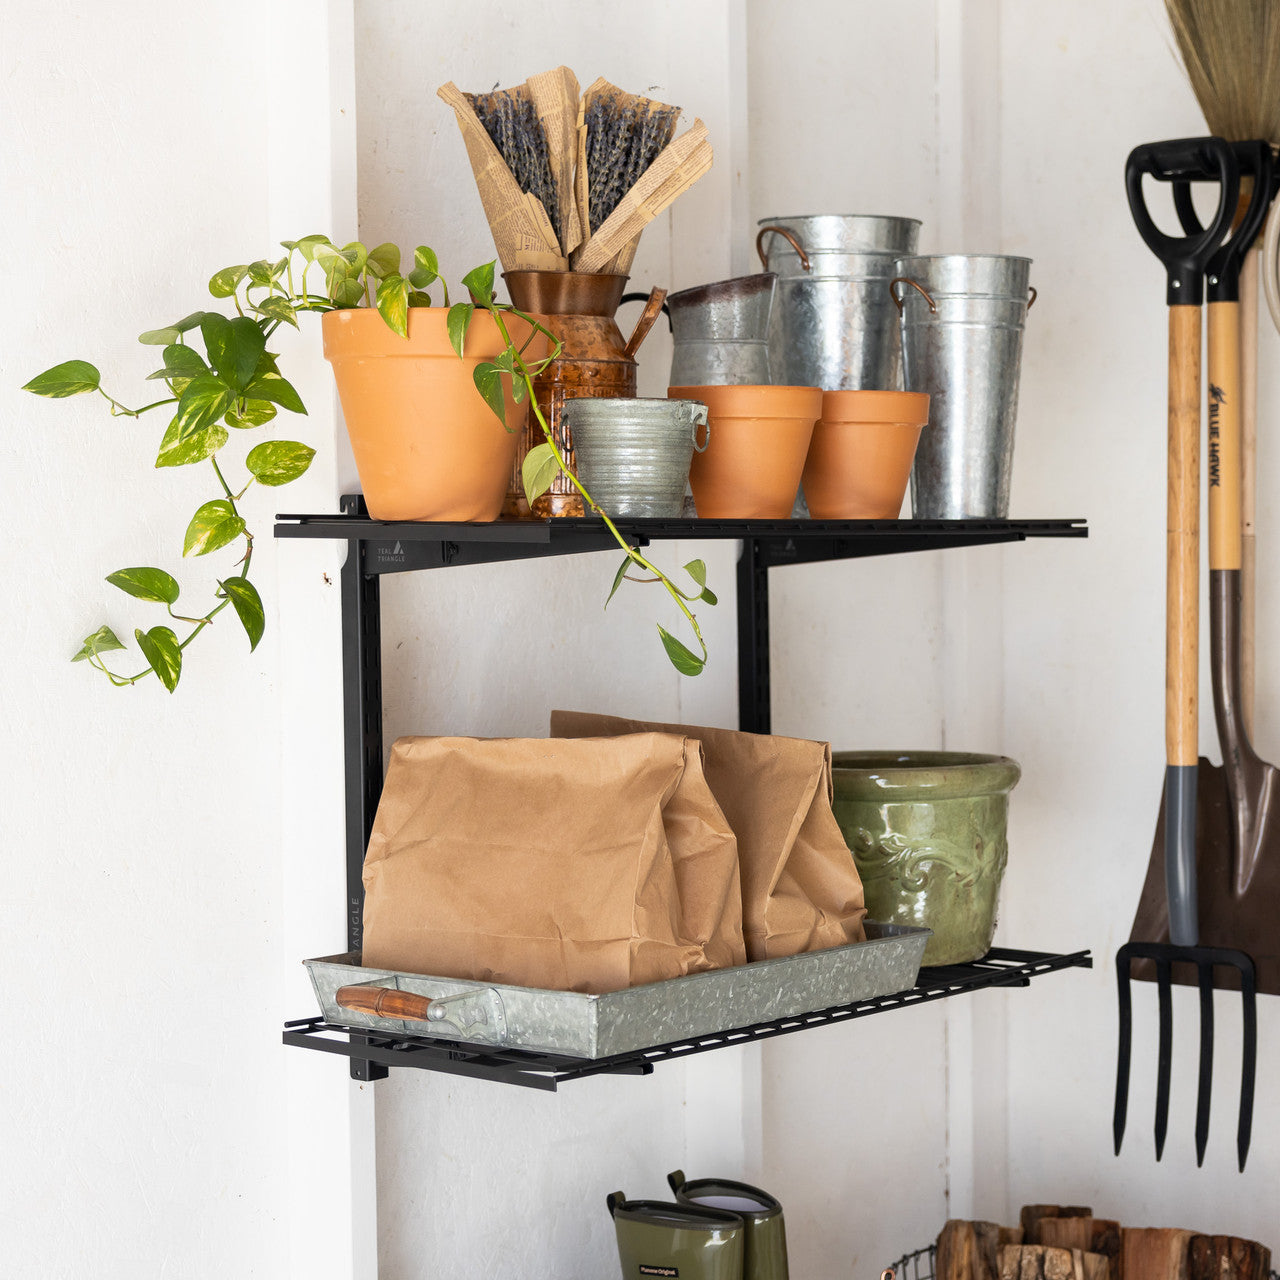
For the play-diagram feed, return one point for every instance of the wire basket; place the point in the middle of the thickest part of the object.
(920, 1266)
(917, 1266)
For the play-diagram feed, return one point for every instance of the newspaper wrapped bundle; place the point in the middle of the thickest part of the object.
(572, 181)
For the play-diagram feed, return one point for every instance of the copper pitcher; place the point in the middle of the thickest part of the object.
(578, 307)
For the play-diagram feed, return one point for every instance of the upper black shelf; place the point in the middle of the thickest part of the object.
(393, 547)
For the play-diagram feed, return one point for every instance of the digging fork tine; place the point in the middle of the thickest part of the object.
(1164, 1060)
(1205, 958)
(1248, 1051)
(1204, 1088)
(1124, 994)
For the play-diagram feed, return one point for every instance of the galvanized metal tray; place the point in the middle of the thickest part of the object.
(659, 1013)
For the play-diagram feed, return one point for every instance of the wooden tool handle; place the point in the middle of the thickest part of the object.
(383, 1002)
(1182, 600)
(1248, 475)
(1224, 435)
(652, 310)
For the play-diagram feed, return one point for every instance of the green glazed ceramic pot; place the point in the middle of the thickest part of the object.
(928, 834)
(764, 1229)
(660, 1239)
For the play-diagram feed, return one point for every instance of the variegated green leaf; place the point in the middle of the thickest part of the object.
(457, 322)
(179, 451)
(682, 658)
(146, 583)
(102, 641)
(538, 470)
(67, 379)
(277, 462)
(213, 526)
(248, 606)
(161, 649)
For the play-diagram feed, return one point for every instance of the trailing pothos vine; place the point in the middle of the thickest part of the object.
(235, 385)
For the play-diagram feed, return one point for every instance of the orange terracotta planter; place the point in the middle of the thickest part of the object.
(759, 439)
(426, 444)
(861, 454)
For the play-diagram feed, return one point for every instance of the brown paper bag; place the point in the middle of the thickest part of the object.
(578, 866)
(800, 888)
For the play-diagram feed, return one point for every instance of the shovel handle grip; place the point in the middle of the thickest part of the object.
(383, 1002)
(1184, 159)
(1256, 165)
(1182, 604)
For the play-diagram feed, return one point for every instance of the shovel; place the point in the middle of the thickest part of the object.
(1240, 893)
(1185, 260)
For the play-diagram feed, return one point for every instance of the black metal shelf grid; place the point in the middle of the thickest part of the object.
(376, 548)
(999, 968)
(400, 547)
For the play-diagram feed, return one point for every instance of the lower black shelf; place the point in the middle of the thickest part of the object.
(998, 968)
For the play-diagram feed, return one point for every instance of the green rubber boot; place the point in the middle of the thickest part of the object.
(676, 1240)
(765, 1232)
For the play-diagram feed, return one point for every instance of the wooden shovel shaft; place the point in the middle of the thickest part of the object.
(1225, 546)
(1248, 474)
(1182, 602)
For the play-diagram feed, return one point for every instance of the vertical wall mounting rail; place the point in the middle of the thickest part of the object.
(362, 710)
(754, 703)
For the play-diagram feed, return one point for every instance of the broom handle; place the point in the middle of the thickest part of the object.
(1248, 477)
(1182, 601)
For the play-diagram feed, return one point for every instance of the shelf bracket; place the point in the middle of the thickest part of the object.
(362, 712)
(754, 702)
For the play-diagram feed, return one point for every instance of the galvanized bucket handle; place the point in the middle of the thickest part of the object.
(933, 306)
(700, 418)
(789, 237)
(897, 301)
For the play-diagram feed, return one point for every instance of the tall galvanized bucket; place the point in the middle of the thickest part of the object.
(721, 332)
(962, 318)
(633, 456)
(833, 323)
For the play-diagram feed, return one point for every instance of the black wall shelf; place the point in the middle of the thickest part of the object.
(376, 548)
(998, 968)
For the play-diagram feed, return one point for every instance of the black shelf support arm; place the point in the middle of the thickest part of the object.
(362, 735)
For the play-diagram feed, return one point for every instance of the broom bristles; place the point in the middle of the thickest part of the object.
(1231, 52)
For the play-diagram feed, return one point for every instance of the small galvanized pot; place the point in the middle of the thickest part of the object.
(633, 456)
(928, 834)
(720, 332)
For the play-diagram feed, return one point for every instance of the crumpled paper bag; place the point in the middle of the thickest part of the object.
(800, 888)
(572, 865)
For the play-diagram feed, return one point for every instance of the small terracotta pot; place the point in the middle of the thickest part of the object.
(759, 440)
(861, 454)
(426, 444)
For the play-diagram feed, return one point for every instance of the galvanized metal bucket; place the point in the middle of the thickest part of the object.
(833, 323)
(962, 318)
(633, 456)
(721, 332)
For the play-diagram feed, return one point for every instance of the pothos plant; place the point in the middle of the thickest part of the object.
(235, 385)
